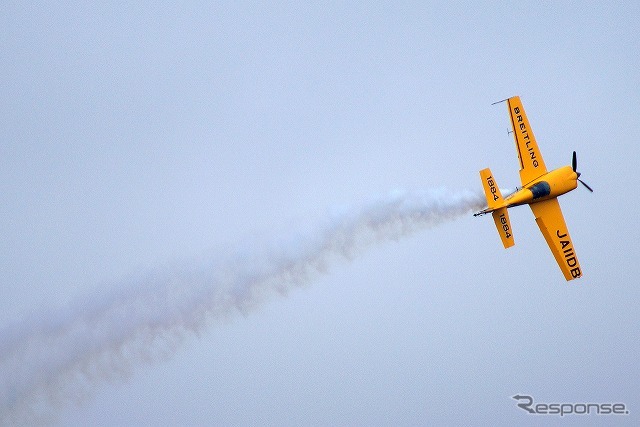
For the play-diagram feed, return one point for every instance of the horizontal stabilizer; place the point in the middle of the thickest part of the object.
(496, 205)
(491, 190)
(503, 225)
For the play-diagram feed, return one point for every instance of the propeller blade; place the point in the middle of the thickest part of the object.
(574, 162)
(583, 183)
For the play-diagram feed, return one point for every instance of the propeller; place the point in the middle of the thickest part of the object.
(574, 165)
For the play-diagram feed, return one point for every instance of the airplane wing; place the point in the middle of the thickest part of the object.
(531, 163)
(551, 222)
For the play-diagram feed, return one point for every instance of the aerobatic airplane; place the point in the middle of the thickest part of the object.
(539, 190)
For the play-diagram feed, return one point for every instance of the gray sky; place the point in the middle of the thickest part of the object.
(146, 138)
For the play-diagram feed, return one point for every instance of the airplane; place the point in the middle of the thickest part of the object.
(540, 190)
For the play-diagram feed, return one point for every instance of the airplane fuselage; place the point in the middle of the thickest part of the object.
(548, 186)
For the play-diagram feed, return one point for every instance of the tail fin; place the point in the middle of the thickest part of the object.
(495, 204)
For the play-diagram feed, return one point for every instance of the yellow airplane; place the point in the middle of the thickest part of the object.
(539, 190)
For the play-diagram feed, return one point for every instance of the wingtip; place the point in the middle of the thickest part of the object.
(498, 102)
(503, 100)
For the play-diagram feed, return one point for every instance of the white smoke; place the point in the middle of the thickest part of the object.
(57, 357)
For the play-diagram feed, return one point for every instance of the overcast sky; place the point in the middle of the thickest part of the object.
(146, 138)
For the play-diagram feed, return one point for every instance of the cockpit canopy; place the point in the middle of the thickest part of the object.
(541, 189)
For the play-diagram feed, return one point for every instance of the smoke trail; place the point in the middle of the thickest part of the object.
(57, 357)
